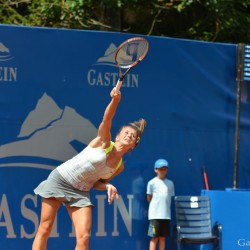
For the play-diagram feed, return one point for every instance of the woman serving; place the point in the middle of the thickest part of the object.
(93, 167)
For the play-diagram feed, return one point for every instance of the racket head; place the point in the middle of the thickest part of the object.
(131, 52)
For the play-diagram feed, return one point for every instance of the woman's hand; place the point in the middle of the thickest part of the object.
(115, 95)
(112, 193)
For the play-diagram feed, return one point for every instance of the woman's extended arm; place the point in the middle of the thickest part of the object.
(105, 126)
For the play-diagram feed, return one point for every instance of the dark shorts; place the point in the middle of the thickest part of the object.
(159, 228)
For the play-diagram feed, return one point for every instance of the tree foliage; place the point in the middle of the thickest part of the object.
(208, 20)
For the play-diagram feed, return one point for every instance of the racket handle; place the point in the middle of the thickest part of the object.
(118, 85)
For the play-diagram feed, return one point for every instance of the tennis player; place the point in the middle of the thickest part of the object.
(93, 167)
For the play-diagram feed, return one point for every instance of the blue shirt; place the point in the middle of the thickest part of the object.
(160, 204)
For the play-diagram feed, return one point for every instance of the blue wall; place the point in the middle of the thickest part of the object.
(54, 86)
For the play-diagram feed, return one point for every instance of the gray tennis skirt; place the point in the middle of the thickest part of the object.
(55, 186)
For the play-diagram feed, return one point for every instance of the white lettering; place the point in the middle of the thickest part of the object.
(90, 77)
(4, 211)
(126, 216)
(73, 232)
(30, 215)
(8, 74)
(30, 202)
(110, 79)
(243, 243)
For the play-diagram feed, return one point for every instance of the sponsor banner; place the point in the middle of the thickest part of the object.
(54, 87)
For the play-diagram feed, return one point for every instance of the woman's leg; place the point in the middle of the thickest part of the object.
(82, 221)
(49, 209)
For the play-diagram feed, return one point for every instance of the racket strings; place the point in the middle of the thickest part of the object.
(131, 52)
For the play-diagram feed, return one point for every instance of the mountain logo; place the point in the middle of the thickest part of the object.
(48, 136)
(109, 56)
(5, 54)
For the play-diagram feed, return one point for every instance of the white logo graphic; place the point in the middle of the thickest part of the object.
(4, 53)
(109, 56)
(48, 137)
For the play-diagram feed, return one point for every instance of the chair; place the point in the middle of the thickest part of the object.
(193, 223)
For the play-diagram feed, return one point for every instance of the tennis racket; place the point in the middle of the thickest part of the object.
(128, 55)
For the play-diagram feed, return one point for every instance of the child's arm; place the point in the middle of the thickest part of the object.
(149, 197)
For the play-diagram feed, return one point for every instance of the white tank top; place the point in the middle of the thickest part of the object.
(87, 167)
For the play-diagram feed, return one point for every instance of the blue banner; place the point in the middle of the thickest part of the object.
(54, 87)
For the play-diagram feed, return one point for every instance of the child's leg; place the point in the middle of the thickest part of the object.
(153, 243)
(162, 243)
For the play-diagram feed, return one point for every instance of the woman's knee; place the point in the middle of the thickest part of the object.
(45, 228)
(83, 238)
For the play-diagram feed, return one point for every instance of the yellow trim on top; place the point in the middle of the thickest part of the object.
(108, 149)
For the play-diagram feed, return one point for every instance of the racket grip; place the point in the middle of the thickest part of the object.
(118, 85)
